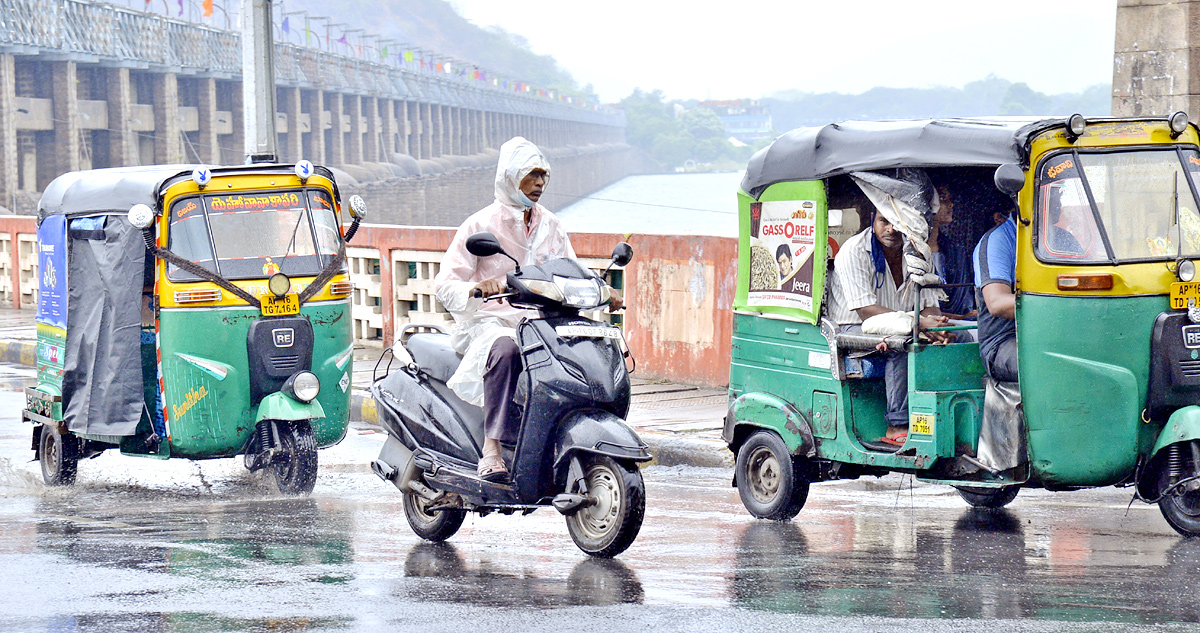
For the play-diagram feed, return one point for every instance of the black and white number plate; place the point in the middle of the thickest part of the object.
(594, 331)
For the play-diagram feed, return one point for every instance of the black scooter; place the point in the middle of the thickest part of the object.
(574, 450)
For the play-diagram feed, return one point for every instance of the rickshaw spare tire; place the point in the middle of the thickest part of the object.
(988, 497)
(58, 453)
(771, 483)
(295, 467)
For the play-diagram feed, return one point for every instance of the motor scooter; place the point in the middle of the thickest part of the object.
(573, 451)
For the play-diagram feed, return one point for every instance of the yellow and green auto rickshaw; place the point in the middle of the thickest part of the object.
(195, 312)
(1107, 330)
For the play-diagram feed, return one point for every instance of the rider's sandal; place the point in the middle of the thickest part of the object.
(491, 468)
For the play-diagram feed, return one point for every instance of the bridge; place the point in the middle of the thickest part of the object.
(85, 84)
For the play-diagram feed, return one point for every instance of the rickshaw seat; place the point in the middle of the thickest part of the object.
(434, 354)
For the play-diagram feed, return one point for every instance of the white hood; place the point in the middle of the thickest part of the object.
(518, 157)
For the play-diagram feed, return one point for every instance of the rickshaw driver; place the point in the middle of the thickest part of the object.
(869, 279)
(484, 332)
(995, 259)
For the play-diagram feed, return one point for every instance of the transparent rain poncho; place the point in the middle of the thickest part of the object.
(479, 324)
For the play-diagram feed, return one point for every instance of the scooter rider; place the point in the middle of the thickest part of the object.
(484, 332)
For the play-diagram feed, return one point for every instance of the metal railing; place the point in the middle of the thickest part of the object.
(93, 31)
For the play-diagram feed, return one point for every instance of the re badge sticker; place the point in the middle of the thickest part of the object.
(344, 383)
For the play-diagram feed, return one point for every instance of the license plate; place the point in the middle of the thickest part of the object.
(594, 331)
(1182, 291)
(281, 306)
(920, 423)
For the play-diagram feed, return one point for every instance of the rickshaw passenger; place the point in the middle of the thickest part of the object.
(995, 274)
(869, 279)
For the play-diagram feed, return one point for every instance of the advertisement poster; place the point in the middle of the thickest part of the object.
(52, 271)
(782, 243)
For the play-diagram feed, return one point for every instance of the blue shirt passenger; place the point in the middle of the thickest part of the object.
(995, 261)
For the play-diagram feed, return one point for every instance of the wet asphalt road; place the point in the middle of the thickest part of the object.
(147, 545)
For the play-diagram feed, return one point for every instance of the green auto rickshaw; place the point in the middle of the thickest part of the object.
(1108, 333)
(195, 312)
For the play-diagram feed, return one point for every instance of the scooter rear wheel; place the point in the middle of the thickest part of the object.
(609, 524)
(436, 526)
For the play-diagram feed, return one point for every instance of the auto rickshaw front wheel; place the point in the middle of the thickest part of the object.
(58, 452)
(988, 497)
(771, 483)
(295, 468)
(1182, 512)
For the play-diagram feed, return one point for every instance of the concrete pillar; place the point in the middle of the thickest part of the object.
(1156, 62)
(208, 147)
(355, 152)
(316, 135)
(404, 125)
(437, 121)
(387, 129)
(337, 138)
(294, 148)
(122, 141)
(66, 117)
(233, 146)
(168, 144)
(8, 133)
(373, 141)
(426, 121)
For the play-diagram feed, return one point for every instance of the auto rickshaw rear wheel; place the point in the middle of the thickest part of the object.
(608, 524)
(436, 525)
(771, 483)
(1182, 512)
(58, 452)
(988, 497)
(295, 468)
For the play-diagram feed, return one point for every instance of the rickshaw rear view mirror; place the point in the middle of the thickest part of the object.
(1010, 178)
(483, 245)
(141, 216)
(622, 253)
(358, 207)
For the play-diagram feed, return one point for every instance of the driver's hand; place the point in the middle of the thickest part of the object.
(615, 301)
(936, 320)
(489, 287)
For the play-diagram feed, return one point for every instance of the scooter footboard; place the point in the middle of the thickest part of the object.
(599, 432)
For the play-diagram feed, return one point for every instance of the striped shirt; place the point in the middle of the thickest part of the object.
(853, 284)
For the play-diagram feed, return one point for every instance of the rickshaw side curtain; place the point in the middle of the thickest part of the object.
(102, 379)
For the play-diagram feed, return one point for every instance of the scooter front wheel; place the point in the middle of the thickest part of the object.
(435, 526)
(608, 524)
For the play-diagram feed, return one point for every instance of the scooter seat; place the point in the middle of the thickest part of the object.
(433, 354)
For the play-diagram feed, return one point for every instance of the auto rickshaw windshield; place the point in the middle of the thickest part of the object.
(1145, 206)
(255, 235)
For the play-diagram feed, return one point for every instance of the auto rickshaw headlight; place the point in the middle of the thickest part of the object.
(141, 216)
(1178, 123)
(279, 284)
(303, 386)
(1185, 270)
(358, 207)
(1076, 125)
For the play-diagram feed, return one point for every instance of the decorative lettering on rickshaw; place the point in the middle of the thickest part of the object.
(254, 203)
(1194, 160)
(1055, 170)
(186, 209)
(189, 401)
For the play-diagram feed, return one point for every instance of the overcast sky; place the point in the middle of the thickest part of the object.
(751, 48)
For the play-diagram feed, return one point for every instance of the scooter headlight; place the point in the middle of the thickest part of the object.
(303, 386)
(544, 288)
(581, 293)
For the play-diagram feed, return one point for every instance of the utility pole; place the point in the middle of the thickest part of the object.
(258, 81)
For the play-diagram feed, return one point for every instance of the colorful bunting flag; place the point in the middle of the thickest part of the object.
(408, 56)
(207, 5)
(285, 26)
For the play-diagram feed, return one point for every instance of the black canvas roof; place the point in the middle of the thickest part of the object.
(813, 153)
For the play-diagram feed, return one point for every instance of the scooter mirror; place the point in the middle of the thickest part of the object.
(483, 245)
(622, 253)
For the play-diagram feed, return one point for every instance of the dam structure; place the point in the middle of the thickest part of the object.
(86, 84)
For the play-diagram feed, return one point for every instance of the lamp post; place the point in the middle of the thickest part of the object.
(306, 19)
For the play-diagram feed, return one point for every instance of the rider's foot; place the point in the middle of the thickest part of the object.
(491, 468)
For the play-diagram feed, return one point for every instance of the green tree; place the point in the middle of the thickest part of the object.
(647, 118)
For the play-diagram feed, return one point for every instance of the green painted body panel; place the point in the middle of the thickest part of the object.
(785, 362)
(279, 406)
(1085, 364)
(210, 416)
